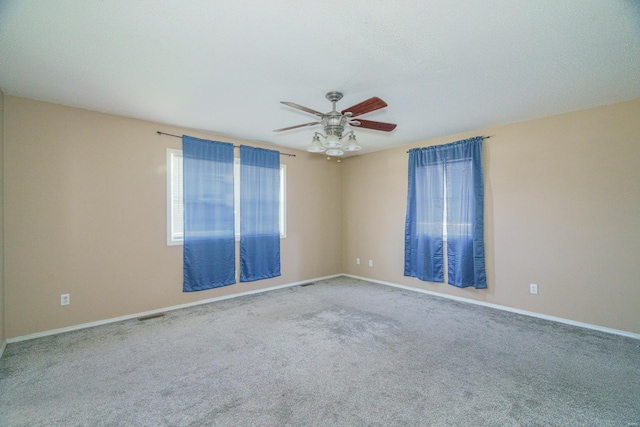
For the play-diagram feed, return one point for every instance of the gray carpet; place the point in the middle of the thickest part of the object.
(342, 352)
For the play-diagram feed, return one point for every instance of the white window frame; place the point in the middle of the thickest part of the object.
(175, 235)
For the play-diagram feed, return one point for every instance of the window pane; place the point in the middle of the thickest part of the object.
(175, 211)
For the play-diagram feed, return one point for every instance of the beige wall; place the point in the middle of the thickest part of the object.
(85, 214)
(562, 209)
(2, 331)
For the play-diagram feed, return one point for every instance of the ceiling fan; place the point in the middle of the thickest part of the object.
(334, 123)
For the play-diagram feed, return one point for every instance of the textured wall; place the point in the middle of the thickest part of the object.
(562, 209)
(86, 215)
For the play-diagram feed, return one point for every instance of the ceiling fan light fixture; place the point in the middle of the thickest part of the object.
(335, 152)
(332, 141)
(352, 144)
(316, 146)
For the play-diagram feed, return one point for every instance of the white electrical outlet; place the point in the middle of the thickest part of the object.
(533, 289)
(370, 263)
(64, 299)
(358, 261)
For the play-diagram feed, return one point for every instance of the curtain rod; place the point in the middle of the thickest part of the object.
(484, 137)
(235, 146)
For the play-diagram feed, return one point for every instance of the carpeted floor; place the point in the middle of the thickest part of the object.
(342, 352)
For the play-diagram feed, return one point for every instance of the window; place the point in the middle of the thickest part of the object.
(175, 224)
(425, 227)
(445, 199)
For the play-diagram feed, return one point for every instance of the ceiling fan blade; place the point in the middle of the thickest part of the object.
(367, 106)
(300, 107)
(369, 124)
(297, 126)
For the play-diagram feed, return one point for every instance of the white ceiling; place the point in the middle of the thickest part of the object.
(443, 66)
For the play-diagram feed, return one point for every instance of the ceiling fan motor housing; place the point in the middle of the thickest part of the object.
(334, 123)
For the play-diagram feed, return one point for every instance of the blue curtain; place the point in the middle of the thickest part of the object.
(465, 214)
(209, 241)
(259, 214)
(458, 166)
(423, 253)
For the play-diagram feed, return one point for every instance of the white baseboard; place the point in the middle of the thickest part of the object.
(504, 308)
(381, 282)
(159, 310)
